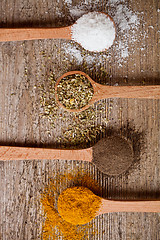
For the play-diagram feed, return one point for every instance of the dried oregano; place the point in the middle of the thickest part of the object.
(74, 91)
(77, 129)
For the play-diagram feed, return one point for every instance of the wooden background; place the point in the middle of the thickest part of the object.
(21, 124)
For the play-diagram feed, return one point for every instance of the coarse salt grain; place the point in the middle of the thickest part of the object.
(94, 31)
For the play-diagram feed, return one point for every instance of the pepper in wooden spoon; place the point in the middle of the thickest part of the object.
(112, 155)
(79, 205)
(73, 102)
(94, 31)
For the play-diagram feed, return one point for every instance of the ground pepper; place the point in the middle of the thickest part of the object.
(78, 205)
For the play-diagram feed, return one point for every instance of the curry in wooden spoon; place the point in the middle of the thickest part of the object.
(79, 205)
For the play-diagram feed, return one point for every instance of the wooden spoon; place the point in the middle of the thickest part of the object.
(102, 91)
(19, 34)
(112, 155)
(79, 205)
(128, 206)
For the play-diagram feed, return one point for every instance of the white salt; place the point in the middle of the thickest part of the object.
(74, 53)
(94, 31)
(128, 29)
(124, 53)
(76, 12)
(116, 1)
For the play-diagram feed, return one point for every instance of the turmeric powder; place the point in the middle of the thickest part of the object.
(53, 220)
(54, 225)
(78, 205)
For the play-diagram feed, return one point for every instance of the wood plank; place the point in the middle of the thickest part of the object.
(22, 67)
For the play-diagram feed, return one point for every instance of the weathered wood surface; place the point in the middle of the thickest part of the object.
(20, 123)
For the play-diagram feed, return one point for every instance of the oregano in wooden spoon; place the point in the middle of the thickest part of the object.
(73, 98)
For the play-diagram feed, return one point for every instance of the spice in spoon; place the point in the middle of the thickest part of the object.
(77, 129)
(95, 31)
(78, 205)
(54, 226)
(74, 91)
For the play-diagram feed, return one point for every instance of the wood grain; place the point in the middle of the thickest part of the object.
(21, 68)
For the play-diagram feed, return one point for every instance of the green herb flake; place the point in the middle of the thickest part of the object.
(74, 91)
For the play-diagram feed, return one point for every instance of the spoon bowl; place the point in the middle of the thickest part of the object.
(91, 102)
(102, 91)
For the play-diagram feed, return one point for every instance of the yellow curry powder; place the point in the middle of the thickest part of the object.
(78, 205)
(54, 225)
(54, 220)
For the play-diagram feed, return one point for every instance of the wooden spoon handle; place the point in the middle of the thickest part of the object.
(129, 206)
(19, 34)
(102, 92)
(25, 153)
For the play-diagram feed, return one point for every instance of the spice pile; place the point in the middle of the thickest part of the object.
(78, 205)
(54, 225)
(95, 31)
(128, 28)
(77, 129)
(74, 91)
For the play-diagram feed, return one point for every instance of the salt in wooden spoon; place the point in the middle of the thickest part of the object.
(102, 91)
(112, 155)
(79, 205)
(97, 35)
